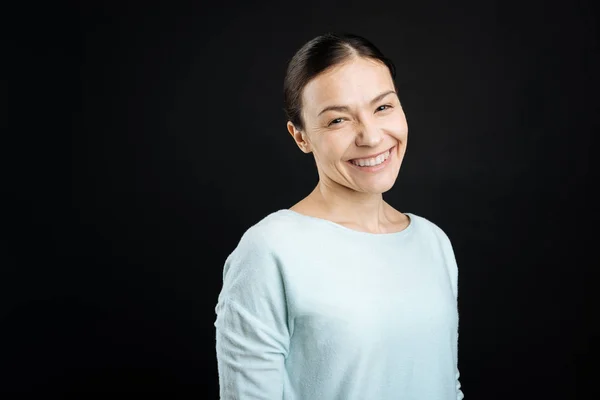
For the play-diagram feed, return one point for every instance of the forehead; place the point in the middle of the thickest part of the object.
(353, 82)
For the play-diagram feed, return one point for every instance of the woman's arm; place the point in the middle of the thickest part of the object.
(453, 276)
(252, 338)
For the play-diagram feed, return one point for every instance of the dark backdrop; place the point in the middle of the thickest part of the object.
(116, 234)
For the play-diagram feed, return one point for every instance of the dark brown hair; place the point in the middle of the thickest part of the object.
(317, 55)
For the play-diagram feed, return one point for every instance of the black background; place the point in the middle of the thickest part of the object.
(146, 138)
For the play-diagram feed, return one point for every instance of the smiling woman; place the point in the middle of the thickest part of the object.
(341, 296)
(348, 110)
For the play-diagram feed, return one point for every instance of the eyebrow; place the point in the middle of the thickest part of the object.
(346, 108)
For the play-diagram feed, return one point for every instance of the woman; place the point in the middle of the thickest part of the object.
(341, 296)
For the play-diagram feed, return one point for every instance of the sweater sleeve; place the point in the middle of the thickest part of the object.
(252, 338)
(453, 274)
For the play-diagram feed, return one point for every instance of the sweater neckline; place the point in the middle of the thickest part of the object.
(327, 222)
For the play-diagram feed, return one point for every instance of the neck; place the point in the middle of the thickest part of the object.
(343, 205)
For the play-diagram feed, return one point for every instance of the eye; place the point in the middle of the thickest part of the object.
(333, 122)
(386, 107)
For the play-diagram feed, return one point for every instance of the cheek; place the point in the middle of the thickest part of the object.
(336, 145)
(399, 125)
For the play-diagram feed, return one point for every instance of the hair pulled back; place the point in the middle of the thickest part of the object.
(317, 55)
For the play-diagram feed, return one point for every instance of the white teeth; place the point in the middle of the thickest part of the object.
(372, 161)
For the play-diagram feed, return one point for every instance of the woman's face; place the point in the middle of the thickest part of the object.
(353, 112)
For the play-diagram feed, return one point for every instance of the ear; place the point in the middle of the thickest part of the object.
(299, 137)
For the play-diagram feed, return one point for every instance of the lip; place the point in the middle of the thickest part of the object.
(372, 155)
(375, 168)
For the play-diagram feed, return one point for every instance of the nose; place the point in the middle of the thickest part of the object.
(368, 135)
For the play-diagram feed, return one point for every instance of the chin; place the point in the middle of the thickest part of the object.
(379, 188)
(384, 189)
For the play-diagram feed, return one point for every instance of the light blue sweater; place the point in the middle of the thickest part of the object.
(313, 310)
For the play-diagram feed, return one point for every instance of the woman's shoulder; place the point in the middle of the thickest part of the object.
(272, 229)
(425, 224)
(273, 223)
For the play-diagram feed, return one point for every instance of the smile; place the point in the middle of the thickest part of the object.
(362, 162)
(373, 164)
